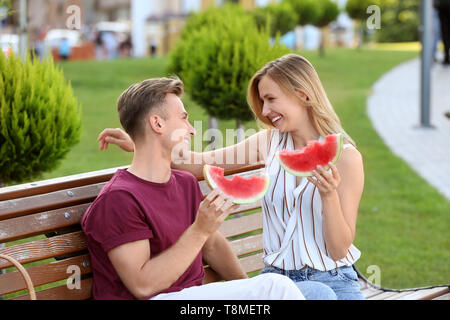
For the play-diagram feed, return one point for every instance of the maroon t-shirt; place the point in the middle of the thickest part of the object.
(129, 209)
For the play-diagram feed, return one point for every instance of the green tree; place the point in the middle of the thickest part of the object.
(308, 11)
(40, 119)
(6, 5)
(328, 13)
(357, 10)
(278, 17)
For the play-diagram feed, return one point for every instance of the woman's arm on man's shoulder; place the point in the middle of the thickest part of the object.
(250, 151)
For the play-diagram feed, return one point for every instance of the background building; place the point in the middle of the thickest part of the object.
(152, 26)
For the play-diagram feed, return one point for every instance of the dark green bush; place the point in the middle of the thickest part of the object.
(400, 21)
(40, 119)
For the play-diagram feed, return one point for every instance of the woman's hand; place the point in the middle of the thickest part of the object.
(325, 181)
(115, 136)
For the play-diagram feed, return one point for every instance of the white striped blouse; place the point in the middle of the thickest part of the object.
(292, 218)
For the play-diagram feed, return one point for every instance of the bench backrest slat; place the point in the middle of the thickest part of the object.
(56, 184)
(252, 263)
(244, 224)
(63, 292)
(46, 273)
(44, 248)
(53, 200)
(247, 245)
(40, 223)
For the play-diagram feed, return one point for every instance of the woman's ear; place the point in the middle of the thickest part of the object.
(302, 95)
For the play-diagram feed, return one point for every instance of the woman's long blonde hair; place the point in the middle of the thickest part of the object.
(294, 73)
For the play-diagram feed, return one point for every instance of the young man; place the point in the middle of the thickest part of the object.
(150, 228)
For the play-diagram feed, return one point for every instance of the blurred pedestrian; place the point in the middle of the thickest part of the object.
(100, 49)
(111, 45)
(40, 43)
(443, 7)
(153, 47)
(126, 47)
(436, 32)
(64, 49)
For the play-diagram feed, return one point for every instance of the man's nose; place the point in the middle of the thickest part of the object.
(191, 130)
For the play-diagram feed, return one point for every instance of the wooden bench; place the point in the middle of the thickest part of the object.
(40, 224)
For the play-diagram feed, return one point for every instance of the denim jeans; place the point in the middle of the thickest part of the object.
(316, 285)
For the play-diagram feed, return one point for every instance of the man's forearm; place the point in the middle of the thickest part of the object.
(161, 271)
(217, 253)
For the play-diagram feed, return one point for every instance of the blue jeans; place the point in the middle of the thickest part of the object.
(340, 283)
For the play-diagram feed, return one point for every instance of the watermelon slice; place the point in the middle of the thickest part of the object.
(302, 162)
(242, 190)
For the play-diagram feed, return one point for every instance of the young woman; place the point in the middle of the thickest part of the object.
(308, 223)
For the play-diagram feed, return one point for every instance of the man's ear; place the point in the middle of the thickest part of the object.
(156, 123)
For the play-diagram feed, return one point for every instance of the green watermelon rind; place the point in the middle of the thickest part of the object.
(309, 173)
(259, 196)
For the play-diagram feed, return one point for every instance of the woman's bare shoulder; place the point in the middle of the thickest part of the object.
(351, 159)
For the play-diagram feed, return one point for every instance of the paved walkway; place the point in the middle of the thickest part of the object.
(394, 109)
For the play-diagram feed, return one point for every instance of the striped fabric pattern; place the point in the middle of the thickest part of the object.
(292, 218)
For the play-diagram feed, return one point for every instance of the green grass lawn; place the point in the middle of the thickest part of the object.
(403, 222)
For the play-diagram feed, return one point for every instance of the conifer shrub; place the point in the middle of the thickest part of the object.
(40, 118)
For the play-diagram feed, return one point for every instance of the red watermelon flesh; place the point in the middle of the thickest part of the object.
(242, 190)
(302, 162)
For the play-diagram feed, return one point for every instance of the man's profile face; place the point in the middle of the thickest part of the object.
(178, 130)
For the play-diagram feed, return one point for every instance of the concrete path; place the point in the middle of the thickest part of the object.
(394, 109)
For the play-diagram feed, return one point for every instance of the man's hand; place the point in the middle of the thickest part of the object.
(115, 136)
(212, 211)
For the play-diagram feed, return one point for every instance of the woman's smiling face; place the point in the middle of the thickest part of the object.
(285, 111)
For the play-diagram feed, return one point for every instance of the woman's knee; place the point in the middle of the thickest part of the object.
(314, 290)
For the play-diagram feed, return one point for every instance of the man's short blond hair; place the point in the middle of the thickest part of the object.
(135, 103)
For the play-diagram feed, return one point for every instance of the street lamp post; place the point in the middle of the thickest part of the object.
(23, 41)
(426, 61)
